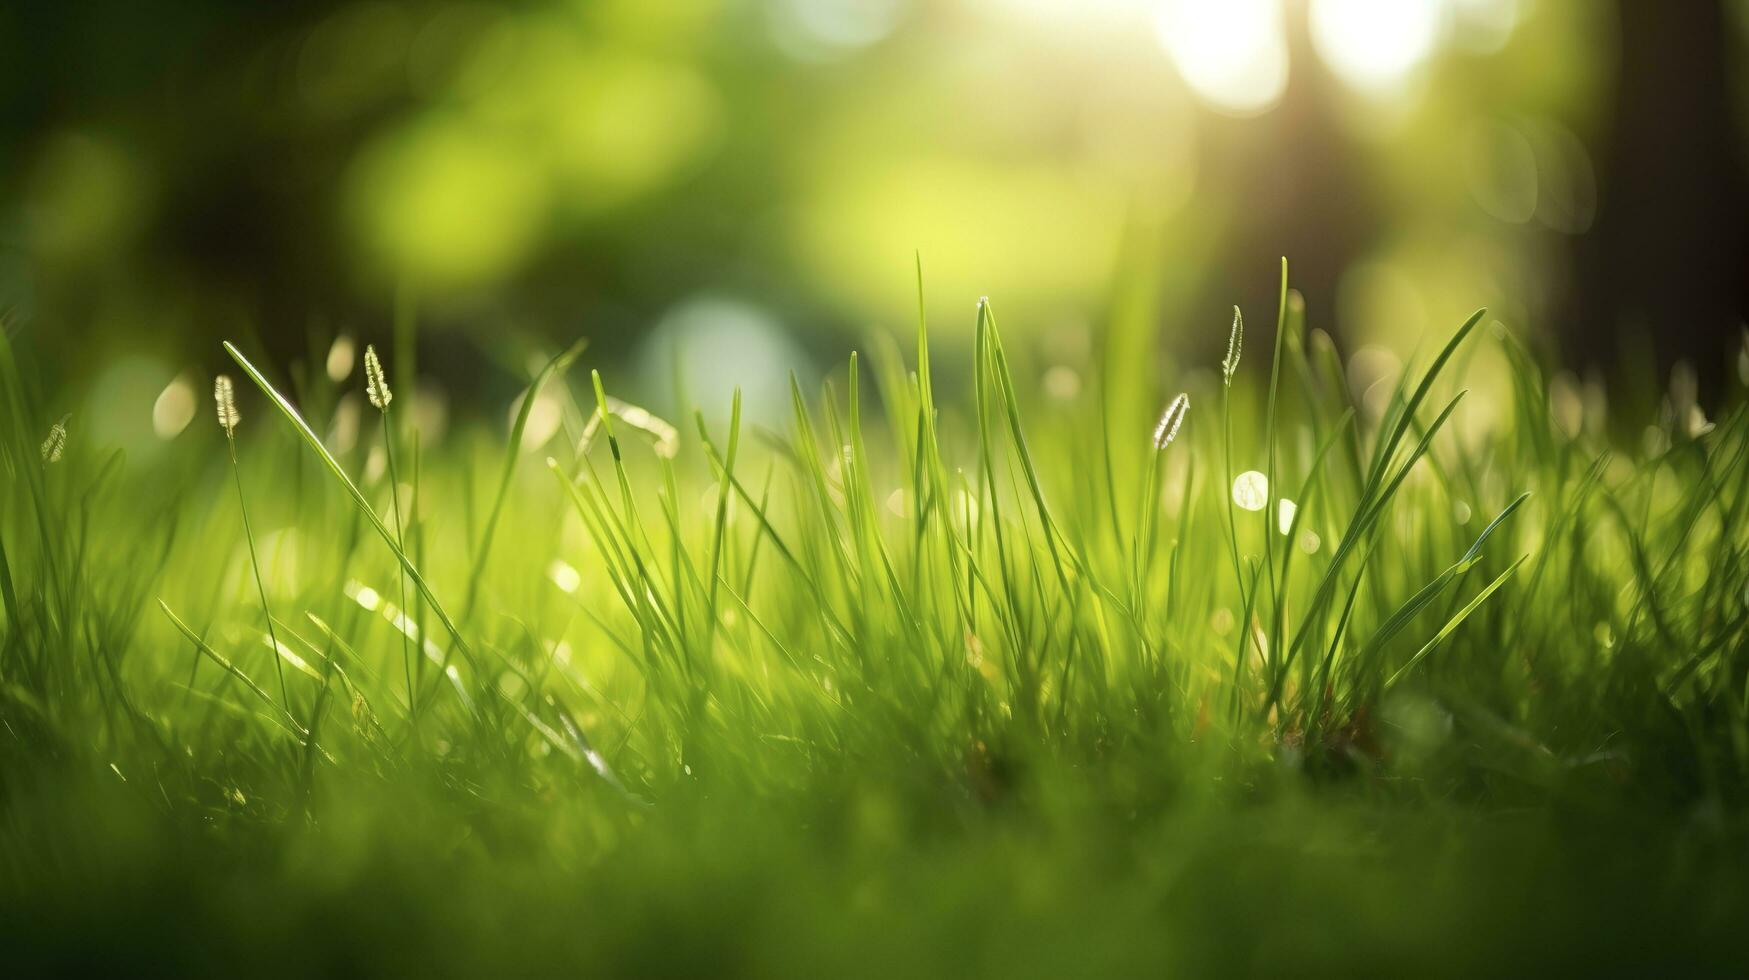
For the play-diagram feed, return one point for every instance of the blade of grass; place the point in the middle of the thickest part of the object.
(334, 469)
(554, 366)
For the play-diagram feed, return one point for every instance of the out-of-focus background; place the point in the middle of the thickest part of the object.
(746, 180)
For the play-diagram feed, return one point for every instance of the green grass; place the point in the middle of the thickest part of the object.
(912, 684)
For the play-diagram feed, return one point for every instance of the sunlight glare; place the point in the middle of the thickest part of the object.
(1251, 490)
(340, 358)
(564, 576)
(1374, 45)
(174, 408)
(543, 422)
(1232, 54)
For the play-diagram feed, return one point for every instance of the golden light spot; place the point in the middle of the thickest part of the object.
(174, 408)
(341, 357)
(1251, 490)
(564, 576)
(1232, 54)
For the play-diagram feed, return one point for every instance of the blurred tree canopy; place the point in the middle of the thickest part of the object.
(178, 171)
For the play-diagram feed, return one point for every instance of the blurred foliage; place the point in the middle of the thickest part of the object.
(176, 172)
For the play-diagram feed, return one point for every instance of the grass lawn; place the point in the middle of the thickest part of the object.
(1310, 677)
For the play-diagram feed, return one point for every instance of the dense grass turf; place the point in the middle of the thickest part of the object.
(998, 683)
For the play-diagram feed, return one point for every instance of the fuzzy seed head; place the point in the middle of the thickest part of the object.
(1170, 420)
(225, 400)
(1235, 343)
(376, 384)
(56, 443)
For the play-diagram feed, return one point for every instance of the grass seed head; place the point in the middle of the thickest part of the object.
(225, 399)
(1170, 420)
(376, 384)
(56, 443)
(1235, 343)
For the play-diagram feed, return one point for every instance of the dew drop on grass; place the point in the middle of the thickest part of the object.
(1251, 490)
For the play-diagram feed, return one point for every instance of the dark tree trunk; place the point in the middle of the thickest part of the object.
(1665, 266)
